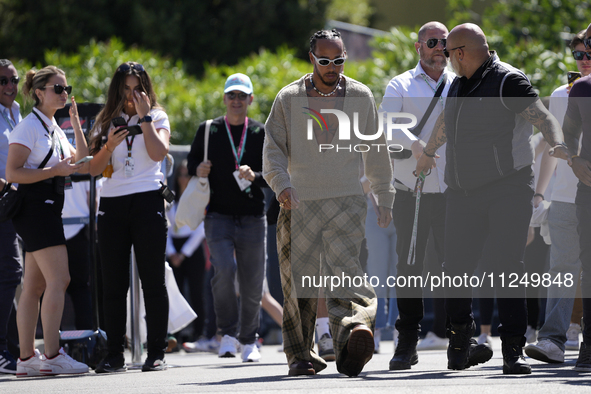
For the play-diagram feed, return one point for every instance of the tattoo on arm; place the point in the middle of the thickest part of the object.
(438, 136)
(538, 115)
(572, 133)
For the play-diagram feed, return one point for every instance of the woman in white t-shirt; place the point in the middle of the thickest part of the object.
(40, 159)
(131, 211)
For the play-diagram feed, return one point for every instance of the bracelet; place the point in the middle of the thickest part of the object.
(574, 157)
(428, 155)
(539, 194)
(106, 146)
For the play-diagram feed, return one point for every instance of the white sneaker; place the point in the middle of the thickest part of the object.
(531, 334)
(30, 367)
(433, 342)
(326, 348)
(545, 350)
(202, 345)
(377, 337)
(228, 347)
(572, 337)
(250, 353)
(61, 364)
(484, 338)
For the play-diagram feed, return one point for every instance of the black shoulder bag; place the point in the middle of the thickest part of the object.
(11, 199)
(406, 153)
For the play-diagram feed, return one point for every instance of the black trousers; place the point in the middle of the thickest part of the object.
(136, 220)
(431, 220)
(497, 215)
(79, 287)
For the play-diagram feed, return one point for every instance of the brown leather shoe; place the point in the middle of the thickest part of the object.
(301, 368)
(359, 350)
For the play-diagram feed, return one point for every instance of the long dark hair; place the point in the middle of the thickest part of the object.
(116, 100)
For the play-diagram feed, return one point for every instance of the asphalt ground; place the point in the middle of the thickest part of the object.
(206, 373)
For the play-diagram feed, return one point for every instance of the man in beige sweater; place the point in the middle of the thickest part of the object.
(314, 171)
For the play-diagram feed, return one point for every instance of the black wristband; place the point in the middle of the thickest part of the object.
(539, 194)
(428, 155)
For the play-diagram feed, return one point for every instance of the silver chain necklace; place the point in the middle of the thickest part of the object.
(325, 94)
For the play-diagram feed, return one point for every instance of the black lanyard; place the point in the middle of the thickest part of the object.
(52, 134)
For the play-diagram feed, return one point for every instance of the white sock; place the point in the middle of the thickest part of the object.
(322, 327)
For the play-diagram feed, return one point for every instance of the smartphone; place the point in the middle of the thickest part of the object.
(84, 160)
(572, 77)
(133, 130)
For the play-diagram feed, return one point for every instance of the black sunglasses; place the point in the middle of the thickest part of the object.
(242, 96)
(58, 89)
(124, 68)
(447, 51)
(432, 42)
(14, 80)
(580, 55)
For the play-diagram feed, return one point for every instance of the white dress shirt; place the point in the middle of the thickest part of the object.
(565, 184)
(412, 92)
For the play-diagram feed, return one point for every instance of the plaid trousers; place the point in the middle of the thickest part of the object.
(329, 231)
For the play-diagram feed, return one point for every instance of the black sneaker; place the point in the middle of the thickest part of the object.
(513, 361)
(154, 364)
(405, 353)
(112, 363)
(458, 350)
(584, 361)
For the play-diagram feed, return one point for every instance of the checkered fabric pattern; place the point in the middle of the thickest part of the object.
(330, 231)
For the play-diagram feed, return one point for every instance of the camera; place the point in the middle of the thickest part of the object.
(166, 193)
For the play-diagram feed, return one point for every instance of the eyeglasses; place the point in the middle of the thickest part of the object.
(124, 68)
(58, 89)
(587, 42)
(580, 55)
(242, 96)
(14, 80)
(339, 61)
(432, 42)
(447, 51)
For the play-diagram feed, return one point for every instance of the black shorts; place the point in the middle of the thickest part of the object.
(39, 221)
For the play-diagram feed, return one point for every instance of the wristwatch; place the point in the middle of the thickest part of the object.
(146, 118)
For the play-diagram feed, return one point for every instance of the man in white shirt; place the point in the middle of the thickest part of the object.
(10, 268)
(562, 220)
(412, 92)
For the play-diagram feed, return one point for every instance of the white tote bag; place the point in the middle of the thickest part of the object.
(192, 204)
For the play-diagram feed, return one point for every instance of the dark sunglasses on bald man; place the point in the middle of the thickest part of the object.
(124, 68)
(447, 51)
(432, 42)
(58, 89)
(14, 80)
(580, 55)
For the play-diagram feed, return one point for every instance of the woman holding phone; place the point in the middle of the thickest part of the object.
(131, 211)
(40, 160)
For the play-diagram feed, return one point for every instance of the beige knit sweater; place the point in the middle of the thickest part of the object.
(291, 160)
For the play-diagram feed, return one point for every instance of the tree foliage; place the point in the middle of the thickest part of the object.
(197, 32)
